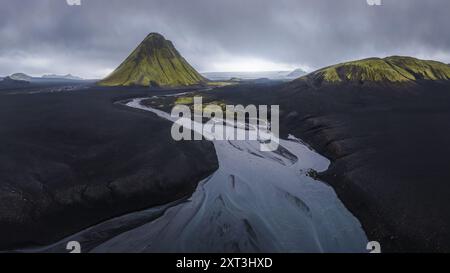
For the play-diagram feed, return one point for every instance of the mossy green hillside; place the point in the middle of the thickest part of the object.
(155, 62)
(390, 69)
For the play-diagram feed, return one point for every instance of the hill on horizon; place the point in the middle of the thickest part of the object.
(20, 77)
(297, 73)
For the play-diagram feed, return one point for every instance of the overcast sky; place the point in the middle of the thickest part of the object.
(48, 36)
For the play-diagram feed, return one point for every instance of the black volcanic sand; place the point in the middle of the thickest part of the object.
(69, 160)
(389, 147)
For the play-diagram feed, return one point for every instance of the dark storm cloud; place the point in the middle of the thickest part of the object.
(48, 36)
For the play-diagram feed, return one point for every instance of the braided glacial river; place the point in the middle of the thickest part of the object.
(255, 202)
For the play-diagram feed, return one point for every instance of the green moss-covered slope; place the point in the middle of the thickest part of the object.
(155, 62)
(391, 69)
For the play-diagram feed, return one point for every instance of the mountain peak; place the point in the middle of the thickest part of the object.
(155, 39)
(155, 35)
(155, 62)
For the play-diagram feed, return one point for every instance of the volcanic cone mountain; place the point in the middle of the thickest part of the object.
(155, 62)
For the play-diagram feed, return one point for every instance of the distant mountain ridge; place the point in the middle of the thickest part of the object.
(225, 76)
(50, 77)
(62, 77)
(155, 62)
(395, 69)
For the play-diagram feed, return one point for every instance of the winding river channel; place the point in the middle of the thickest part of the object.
(255, 202)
